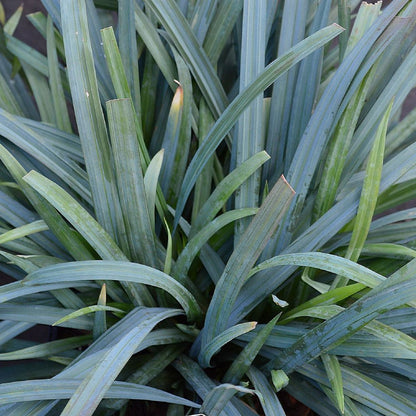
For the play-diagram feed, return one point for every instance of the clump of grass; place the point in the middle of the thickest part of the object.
(202, 194)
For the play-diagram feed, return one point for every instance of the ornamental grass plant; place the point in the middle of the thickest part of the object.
(204, 201)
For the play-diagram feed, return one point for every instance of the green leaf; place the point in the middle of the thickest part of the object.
(366, 391)
(39, 21)
(195, 244)
(31, 263)
(152, 368)
(33, 390)
(87, 226)
(302, 86)
(395, 291)
(24, 246)
(115, 63)
(149, 95)
(100, 319)
(243, 361)
(46, 349)
(235, 109)
(292, 31)
(223, 338)
(225, 188)
(217, 398)
(243, 258)
(306, 277)
(149, 370)
(76, 272)
(42, 93)
(41, 314)
(93, 387)
(89, 114)
(11, 329)
(267, 396)
(330, 297)
(92, 355)
(203, 184)
(221, 27)
(369, 194)
(8, 98)
(366, 16)
(344, 19)
(151, 179)
(202, 17)
(321, 232)
(30, 56)
(128, 50)
(133, 199)
(23, 231)
(13, 21)
(73, 243)
(396, 88)
(2, 15)
(166, 336)
(178, 150)
(31, 408)
(324, 261)
(170, 145)
(12, 128)
(18, 289)
(302, 388)
(168, 260)
(58, 97)
(148, 33)
(199, 381)
(376, 328)
(122, 87)
(87, 310)
(184, 40)
(249, 138)
(333, 371)
(69, 144)
(338, 149)
(399, 134)
(314, 140)
(279, 379)
(389, 250)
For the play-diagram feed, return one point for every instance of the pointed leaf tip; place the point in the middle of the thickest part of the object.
(287, 183)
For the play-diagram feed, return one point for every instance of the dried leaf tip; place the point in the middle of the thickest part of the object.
(178, 97)
(287, 183)
(102, 298)
(336, 25)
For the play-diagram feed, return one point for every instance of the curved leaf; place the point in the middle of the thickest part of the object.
(266, 393)
(335, 330)
(46, 349)
(93, 387)
(75, 272)
(225, 188)
(87, 310)
(243, 258)
(194, 245)
(63, 389)
(229, 117)
(225, 337)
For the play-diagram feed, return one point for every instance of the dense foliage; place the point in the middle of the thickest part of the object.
(203, 200)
